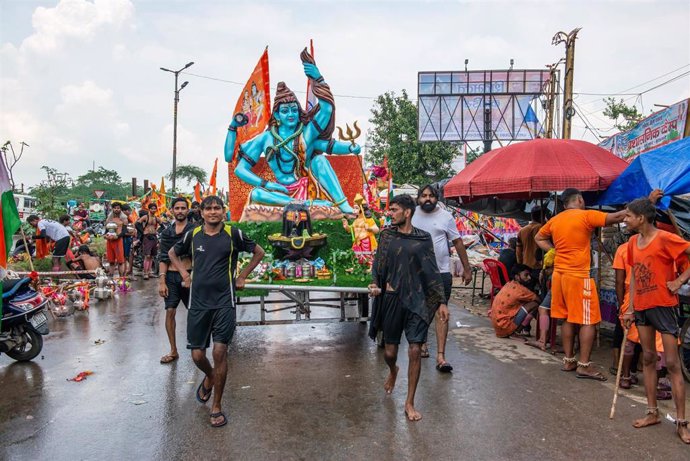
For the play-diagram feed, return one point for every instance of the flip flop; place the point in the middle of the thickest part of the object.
(216, 415)
(444, 367)
(425, 353)
(169, 358)
(596, 376)
(206, 392)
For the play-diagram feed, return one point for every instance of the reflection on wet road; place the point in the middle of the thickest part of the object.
(304, 391)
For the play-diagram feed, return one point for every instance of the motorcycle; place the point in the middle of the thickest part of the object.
(24, 321)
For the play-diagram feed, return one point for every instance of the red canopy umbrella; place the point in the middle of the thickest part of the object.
(534, 168)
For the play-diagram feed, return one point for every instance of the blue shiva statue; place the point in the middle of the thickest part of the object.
(293, 145)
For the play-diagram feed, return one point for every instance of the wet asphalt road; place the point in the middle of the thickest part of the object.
(304, 391)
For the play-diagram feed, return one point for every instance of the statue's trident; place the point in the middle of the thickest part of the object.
(351, 136)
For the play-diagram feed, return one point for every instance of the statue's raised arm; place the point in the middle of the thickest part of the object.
(322, 123)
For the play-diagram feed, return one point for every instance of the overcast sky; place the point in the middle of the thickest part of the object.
(80, 80)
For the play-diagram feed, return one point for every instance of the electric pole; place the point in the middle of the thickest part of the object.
(568, 110)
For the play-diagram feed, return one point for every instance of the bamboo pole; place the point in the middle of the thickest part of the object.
(625, 338)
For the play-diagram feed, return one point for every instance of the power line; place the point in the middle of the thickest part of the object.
(625, 91)
(273, 87)
(671, 80)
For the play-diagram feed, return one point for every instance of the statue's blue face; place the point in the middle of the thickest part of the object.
(288, 114)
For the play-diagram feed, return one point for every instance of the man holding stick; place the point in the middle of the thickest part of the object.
(654, 255)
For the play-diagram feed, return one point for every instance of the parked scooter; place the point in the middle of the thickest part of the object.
(24, 320)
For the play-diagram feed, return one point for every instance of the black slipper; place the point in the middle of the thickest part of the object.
(216, 415)
(444, 367)
(205, 392)
(596, 376)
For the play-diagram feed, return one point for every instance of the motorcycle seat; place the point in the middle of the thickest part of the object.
(11, 286)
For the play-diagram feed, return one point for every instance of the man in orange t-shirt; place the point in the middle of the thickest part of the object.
(574, 296)
(655, 257)
(514, 306)
(621, 266)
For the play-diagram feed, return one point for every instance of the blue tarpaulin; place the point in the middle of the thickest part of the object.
(666, 168)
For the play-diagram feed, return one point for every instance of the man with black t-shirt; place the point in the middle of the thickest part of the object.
(170, 281)
(213, 248)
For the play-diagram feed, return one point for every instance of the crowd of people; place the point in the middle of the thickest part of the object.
(550, 279)
(650, 269)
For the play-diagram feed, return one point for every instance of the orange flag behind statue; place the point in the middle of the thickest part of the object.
(212, 182)
(162, 208)
(197, 192)
(255, 103)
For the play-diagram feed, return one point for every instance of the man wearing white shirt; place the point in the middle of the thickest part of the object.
(49, 229)
(441, 225)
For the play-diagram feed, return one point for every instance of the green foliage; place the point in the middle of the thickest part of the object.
(189, 173)
(473, 154)
(54, 191)
(617, 110)
(394, 132)
(338, 249)
(338, 238)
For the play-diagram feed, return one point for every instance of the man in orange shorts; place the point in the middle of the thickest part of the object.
(115, 224)
(574, 295)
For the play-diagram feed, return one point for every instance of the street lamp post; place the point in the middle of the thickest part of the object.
(177, 99)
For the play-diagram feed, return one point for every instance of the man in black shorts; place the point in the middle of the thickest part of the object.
(213, 248)
(405, 271)
(170, 281)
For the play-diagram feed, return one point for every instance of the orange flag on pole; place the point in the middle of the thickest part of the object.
(212, 182)
(197, 192)
(254, 102)
(161, 198)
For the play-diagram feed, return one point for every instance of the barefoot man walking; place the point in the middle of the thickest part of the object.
(656, 256)
(213, 248)
(408, 289)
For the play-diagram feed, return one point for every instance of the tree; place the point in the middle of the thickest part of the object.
(617, 110)
(52, 193)
(190, 173)
(10, 163)
(103, 179)
(473, 154)
(394, 133)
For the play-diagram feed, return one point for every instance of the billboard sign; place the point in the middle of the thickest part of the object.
(459, 106)
(660, 128)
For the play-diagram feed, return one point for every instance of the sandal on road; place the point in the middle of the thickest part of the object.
(595, 376)
(220, 423)
(444, 367)
(169, 358)
(202, 393)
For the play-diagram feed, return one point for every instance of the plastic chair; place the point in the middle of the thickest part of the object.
(495, 269)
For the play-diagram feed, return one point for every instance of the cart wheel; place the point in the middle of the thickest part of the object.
(684, 349)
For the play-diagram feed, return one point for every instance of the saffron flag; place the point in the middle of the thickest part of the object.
(212, 182)
(161, 199)
(311, 99)
(255, 103)
(197, 192)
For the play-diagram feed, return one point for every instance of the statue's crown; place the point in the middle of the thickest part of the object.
(283, 95)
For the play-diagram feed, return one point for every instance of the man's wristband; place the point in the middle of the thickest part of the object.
(162, 274)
